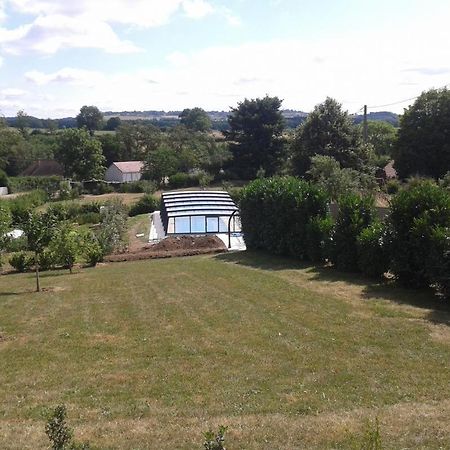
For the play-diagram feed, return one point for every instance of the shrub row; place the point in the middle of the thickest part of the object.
(21, 205)
(48, 184)
(146, 204)
(289, 216)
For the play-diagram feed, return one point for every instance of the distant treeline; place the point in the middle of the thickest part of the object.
(170, 119)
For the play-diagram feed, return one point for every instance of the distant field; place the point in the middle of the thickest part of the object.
(151, 354)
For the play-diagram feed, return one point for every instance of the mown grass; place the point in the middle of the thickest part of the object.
(151, 354)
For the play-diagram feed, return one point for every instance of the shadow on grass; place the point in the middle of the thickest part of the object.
(438, 309)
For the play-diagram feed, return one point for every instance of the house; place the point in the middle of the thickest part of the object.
(387, 173)
(44, 168)
(124, 171)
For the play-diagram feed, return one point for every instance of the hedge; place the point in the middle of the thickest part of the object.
(276, 213)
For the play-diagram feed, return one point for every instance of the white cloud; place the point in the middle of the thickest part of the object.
(12, 93)
(68, 75)
(89, 23)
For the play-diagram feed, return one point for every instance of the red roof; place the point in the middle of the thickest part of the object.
(129, 166)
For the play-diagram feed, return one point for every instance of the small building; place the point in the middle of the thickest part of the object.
(44, 168)
(124, 171)
(199, 212)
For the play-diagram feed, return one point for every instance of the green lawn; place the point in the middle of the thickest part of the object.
(151, 354)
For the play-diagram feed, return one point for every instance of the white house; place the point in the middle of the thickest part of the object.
(124, 171)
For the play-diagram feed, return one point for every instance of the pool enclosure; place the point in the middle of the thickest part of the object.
(199, 212)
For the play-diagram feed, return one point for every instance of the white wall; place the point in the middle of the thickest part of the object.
(3, 191)
(115, 175)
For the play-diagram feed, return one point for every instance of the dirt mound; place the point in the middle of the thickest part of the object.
(187, 243)
(173, 246)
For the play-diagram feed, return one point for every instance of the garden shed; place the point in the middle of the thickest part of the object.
(199, 212)
(124, 171)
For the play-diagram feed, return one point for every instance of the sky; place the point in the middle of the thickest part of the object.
(58, 55)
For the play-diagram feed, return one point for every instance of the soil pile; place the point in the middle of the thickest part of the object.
(173, 246)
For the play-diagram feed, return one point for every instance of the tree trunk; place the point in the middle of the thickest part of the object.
(36, 266)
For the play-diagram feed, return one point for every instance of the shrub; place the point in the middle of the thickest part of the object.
(392, 186)
(138, 187)
(373, 256)
(416, 212)
(275, 214)
(318, 235)
(50, 185)
(88, 218)
(16, 245)
(49, 259)
(215, 441)
(180, 180)
(438, 263)
(112, 227)
(22, 205)
(146, 204)
(355, 214)
(22, 261)
(92, 250)
(4, 181)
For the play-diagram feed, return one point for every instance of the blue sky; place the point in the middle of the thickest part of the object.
(57, 55)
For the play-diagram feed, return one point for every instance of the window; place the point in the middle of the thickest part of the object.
(212, 224)
(182, 225)
(198, 224)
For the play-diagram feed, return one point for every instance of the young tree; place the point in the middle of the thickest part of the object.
(80, 155)
(91, 118)
(256, 136)
(328, 131)
(39, 229)
(423, 146)
(5, 227)
(195, 119)
(67, 245)
(22, 122)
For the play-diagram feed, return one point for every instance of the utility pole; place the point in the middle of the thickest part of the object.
(365, 125)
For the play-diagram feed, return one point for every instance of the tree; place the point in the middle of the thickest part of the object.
(111, 148)
(67, 245)
(381, 135)
(161, 163)
(423, 146)
(91, 118)
(196, 119)
(113, 123)
(328, 131)
(137, 140)
(38, 229)
(80, 155)
(256, 136)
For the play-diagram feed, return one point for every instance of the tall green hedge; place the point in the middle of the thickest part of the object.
(276, 213)
(416, 214)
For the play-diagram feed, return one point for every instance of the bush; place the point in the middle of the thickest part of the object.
(215, 441)
(22, 261)
(50, 185)
(92, 250)
(416, 212)
(183, 180)
(373, 255)
(88, 218)
(22, 205)
(138, 187)
(355, 214)
(392, 186)
(4, 181)
(275, 214)
(146, 204)
(318, 236)
(112, 227)
(438, 264)
(49, 259)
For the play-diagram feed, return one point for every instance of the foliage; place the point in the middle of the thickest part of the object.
(112, 227)
(80, 155)
(113, 123)
(146, 204)
(392, 186)
(161, 163)
(275, 214)
(5, 227)
(22, 205)
(4, 181)
(355, 214)
(90, 117)
(59, 432)
(182, 180)
(423, 145)
(195, 119)
(215, 441)
(381, 136)
(335, 181)
(438, 262)
(255, 136)
(141, 186)
(328, 131)
(92, 250)
(21, 261)
(66, 245)
(416, 212)
(318, 236)
(49, 184)
(373, 255)
(112, 148)
(445, 181)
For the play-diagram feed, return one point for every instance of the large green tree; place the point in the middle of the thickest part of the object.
(328, 131)
(382, 136)
(195, 119)
(80, 155)
(423, 146)
(90, 117)
(255, 136)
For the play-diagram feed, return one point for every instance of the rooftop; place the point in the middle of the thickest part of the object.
(129, 166)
